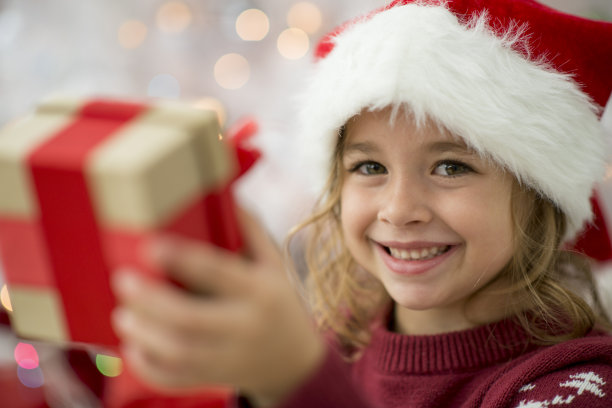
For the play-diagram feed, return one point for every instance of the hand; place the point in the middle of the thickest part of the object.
(241, 323)
(63, 388)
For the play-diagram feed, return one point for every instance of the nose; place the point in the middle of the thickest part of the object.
(404, 202)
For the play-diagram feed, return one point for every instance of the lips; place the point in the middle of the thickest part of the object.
(417, 254)
(414, 258)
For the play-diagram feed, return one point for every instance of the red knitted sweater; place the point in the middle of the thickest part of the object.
(489, 366)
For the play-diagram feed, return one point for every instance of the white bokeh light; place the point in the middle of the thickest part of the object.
(174, 17)
(293, 43)
(232, 71)
(252, 25)
(131, 34)
(306, 16)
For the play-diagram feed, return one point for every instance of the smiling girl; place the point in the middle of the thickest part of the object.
(428, 217)
(459, 166)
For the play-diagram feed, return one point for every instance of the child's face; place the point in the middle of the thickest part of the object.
(425, 215)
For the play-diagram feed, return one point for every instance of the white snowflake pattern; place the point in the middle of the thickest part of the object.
(533, 404)
(582, 382)
(527, 387)
(558, 400)
(586, 382)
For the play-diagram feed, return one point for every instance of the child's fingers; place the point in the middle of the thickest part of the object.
(150, 369)
(137, 293)
(260, 246)
(203, 269)
(209, 270)
(148, 335)
(167, 376)
(172, 306)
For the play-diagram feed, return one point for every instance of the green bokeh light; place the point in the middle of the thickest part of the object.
(108, 365)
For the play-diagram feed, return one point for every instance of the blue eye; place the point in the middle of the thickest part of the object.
(451, 168)
(369, 168)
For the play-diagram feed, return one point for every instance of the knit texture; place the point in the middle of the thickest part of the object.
(489, 366)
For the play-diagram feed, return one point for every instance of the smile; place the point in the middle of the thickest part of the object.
(415, 258)
(417, 254)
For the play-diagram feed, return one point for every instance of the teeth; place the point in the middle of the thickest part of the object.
(417, 254)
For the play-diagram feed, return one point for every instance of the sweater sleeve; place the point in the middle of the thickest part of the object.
(330, 386)
(578, 386)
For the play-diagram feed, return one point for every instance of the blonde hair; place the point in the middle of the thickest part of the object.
(345, 300)
(556, 296)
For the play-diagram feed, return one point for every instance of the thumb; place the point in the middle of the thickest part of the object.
(259, 245)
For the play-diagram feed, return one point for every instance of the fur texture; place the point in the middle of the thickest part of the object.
(524, 115)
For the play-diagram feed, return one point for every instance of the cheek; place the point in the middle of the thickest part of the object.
(485, 219)
(356, 216)
(486, 226)
(349, 215)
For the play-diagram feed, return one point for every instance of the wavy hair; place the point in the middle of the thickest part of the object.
(555, 297)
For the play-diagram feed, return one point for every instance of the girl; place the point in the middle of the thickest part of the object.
(460, 165)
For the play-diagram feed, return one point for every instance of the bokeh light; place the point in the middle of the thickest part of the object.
(164, 86)
(131, 34)
(306, 16)
(26, 356)
(232, 71)
(293, 43)
(214, 105)
(5, 299)
(108, 365)
(31, 378)
(174, 17)
(252, 25)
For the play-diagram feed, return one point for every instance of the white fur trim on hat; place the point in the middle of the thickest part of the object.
(529, 118)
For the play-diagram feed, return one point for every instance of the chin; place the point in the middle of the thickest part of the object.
(412, 301)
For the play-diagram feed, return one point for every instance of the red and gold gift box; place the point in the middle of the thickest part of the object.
(83, 184)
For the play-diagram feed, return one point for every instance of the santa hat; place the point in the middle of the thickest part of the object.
(521, 83)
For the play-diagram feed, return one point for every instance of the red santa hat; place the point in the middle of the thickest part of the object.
(521, 83)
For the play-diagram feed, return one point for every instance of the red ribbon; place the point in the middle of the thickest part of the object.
(68, 220)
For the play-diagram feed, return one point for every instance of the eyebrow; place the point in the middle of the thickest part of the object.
(437, 147)
(363, 147)
(443, 147)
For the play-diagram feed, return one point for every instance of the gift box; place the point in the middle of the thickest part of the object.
(84, 183)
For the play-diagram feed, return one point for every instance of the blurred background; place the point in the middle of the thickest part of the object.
(241, 58)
